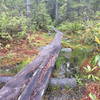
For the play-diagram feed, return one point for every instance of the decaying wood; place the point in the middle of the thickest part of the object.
(31, 82)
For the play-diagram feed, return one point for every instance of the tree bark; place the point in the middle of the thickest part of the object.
(56, 11)
(28, 9)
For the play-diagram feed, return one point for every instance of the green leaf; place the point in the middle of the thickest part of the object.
(93, 77)
(97, 78)
(89, 76)
(99, 63)
(94, 68)
(92, 96)
(88, 68)
(97, 58)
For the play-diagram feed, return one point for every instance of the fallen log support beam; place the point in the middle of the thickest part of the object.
(31, 82)
(70, 82)
(5, 79)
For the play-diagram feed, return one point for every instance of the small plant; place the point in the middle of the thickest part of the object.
(96, 60)
(90, 75)
(11, 27)
(92, 96)
(71, 27)
(60, 60)
(5, 35)
(79, 80)
(97, 40)
(92, 91)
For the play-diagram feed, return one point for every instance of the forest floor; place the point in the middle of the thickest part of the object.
(21, 52)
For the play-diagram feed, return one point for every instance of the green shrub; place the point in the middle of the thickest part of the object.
(12, 26)
(6, 36)
(90, 33)
(71, 26)
(41, 19)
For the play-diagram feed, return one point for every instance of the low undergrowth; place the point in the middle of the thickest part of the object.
(16, 54)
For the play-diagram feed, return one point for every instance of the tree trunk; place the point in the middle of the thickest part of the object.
(56, 11)
(28, 8)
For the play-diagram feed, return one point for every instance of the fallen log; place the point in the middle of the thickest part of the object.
(69, 82)
(31, 82)
(5, 78)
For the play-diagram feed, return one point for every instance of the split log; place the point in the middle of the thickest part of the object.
(31, 82)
